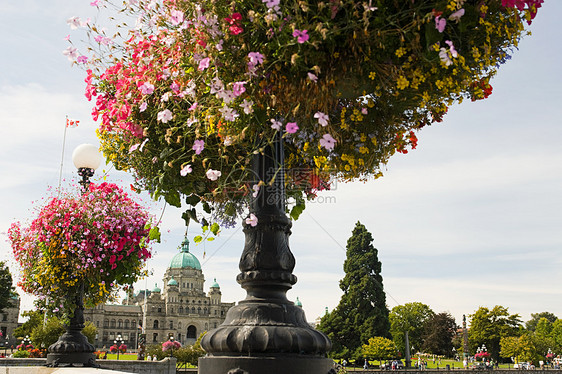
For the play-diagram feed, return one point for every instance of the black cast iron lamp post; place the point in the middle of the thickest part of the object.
(171, 339)
(73, 347)
(266, 333)
(118, 342)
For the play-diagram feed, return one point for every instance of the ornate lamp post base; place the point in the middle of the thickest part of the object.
(266, 333)
(71, 349)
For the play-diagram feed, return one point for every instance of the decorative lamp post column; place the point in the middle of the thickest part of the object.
(73, 347)
(118, 343)
(465, 353)
(266, 333)
(171, 339)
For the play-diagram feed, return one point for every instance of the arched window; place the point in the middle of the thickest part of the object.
(155, 325)
(181, 310)
(126, 323)
(193, 310)
(199, 310)
(191, 332)
(106, 323)
(120, 323)
(204, 310)
(171, 325)
(113, 323)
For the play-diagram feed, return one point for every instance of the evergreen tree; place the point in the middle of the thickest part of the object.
(7, 290)
(362, 312)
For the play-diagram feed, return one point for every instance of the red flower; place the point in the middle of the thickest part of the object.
(234, 22)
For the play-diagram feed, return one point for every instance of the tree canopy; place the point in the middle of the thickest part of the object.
(409, 317)
(438, 332)
(488, 326)
(536, 317)
(380, 348)
(362, 312)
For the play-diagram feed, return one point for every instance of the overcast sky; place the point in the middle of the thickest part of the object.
(472, 217)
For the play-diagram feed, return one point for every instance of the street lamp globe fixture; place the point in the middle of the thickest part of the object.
(86, 158)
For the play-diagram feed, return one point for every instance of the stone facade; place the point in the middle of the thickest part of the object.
(182, 309)
(9, 322)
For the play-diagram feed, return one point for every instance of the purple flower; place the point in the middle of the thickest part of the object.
(198, 146)
(301, 35)
(291, 127)
(204, 63)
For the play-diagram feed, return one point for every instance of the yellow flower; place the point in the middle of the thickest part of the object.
(400, 52)
(402, 82)
(372, 75)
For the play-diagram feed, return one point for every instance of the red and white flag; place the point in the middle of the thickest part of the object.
(72, 122)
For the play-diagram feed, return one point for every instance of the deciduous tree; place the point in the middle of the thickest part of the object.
(439, 330)
(409, 317)
(535, 318)
(380, 348)
(488, 326)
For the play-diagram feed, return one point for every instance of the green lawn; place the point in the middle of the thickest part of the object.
(122, 356)
(454, 365)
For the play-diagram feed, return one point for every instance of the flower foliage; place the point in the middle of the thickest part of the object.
(481, 355)
(121, 348)
(100, 238)
(197, 88)
(168, 345)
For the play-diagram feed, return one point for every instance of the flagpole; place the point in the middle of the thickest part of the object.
(62, 156)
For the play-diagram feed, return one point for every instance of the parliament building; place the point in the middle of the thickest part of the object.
(181, 309)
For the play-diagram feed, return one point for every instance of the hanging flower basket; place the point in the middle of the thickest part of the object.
(197, 88)
(99, 238)
(168, 345)
(482, 355)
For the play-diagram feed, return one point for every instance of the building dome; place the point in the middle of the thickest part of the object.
(184, 259)
(172, 282)
(156, 289)
(298, 302)
(215, 284)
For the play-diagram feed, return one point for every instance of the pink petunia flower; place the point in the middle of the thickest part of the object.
(328, 142)
(291, 127)
(204, 63)
(301, 35)
(186, 170)
(198, 146)
(146, 88)
(238, 88)
(323, 118)
(440, 23)
(276, 125)
(165, 116)
(213, 174)
(252, 220)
